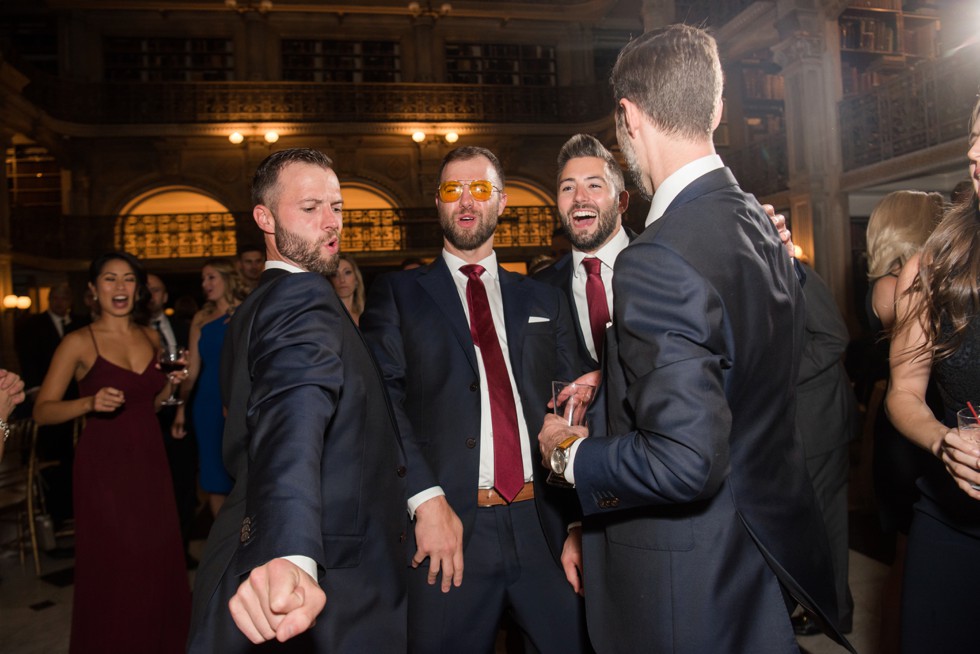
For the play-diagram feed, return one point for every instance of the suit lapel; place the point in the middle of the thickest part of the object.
(437, 281)
(516, 314)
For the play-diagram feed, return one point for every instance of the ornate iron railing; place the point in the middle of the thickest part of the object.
(928, 105)
(761, 167)
(214, 102)
(179, 236)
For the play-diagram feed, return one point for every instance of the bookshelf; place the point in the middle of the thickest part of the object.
(507, 64)
(312, 60)
(754, 104)
(879, 38)
(154, 59)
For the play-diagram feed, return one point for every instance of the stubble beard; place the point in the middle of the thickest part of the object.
(585, 241)
(629, 154)
(307, 255)
(466, 240)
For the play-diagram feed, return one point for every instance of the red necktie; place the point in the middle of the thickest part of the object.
(508, 468)
(595, 295)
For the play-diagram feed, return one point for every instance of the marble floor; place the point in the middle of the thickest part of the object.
(35, 613)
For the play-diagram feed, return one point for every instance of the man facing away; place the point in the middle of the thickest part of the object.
(317, 512)
(699, 517)
(469, 351)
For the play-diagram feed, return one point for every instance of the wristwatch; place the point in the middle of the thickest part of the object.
(559, 456)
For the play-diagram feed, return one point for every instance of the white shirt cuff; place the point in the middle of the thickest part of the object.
(570, 468)
(417, 500)
(304, 563)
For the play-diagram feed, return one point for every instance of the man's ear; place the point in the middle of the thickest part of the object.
(631, 116)
(263, 218)
(716, 118)
(624, 201)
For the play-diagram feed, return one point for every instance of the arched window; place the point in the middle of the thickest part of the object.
(176, 222)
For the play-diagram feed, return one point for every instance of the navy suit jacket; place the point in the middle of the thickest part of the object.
(559, 274)
(699, 510)
(416, 325)
(319, 472)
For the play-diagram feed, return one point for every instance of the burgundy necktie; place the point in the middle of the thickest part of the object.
(508, 468)
(595, 295)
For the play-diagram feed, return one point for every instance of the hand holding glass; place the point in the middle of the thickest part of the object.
(969, 426)
(570, 401)
(173, 360)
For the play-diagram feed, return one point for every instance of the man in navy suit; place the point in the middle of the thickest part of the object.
(700, 520)
(469, 351)
(592, 199)
(317, 511)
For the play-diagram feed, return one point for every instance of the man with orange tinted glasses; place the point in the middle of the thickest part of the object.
(468, 351)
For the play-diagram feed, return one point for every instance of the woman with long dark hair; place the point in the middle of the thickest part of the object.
(938, 335)
(131, 589)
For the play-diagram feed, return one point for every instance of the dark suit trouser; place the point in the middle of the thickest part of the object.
(507, 564)
(828, 473)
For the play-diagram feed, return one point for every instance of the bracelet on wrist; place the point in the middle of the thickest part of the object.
(5, 428)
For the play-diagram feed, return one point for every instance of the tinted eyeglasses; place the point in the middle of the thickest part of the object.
(481, 189)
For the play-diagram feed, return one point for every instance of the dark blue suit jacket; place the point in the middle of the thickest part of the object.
(699, 510)
(559, 275)
(319, 472)
(416, 325)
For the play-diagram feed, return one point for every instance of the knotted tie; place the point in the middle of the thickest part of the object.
(164, 342)
(595, 295)
(508, 468)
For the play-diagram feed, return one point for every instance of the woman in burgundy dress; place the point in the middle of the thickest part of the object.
(131, 588)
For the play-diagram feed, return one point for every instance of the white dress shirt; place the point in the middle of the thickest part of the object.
(162, 324)
(607, 255)
(492, 284)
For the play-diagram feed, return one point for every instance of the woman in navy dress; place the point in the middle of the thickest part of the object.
(131, 588)
(223, 292)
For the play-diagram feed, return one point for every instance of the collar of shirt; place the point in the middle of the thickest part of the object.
(606, 254)
(455, 263)
(678, 181)
(59, 320)
(282, 265)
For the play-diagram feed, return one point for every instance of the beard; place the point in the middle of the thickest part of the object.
(304, 254)
(469, 239)
(629, 154)
(584, 241)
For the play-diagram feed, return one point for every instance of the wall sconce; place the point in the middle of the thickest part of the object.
(450, 137)
(16, 302)
(416, 10)
(262, 6)
(270, 137)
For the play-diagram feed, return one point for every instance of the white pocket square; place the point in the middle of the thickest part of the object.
(538, 319)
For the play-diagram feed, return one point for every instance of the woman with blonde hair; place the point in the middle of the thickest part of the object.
(898, 227)
(349, 284)
(224, 290)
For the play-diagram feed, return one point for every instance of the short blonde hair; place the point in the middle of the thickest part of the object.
(900, 223)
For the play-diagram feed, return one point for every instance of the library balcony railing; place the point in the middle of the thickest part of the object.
(926, 106)
(380, 233)
(762, 166)
(111, 103)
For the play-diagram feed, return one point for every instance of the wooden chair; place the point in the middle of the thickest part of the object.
(19, 486)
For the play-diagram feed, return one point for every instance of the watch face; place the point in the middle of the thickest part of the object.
(559, 459)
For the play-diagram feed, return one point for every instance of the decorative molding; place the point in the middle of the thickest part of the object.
(799, 48)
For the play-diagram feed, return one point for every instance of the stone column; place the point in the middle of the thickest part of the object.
(820, 222)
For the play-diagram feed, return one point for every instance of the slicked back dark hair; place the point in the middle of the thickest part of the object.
(585, 145)
(467, 152)
(265, 183)
(674, 76)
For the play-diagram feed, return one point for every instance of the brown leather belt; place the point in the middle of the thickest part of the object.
(490, 496)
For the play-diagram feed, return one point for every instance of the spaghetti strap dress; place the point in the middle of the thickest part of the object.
(131, 587)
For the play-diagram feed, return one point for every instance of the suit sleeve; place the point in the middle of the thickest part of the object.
(381, 325)
(669, 323)
(296, 371)
(826, 336)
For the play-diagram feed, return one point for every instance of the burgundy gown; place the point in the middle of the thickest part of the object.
(131, 587)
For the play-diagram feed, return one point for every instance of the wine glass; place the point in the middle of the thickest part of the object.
(571, 401)
(172, 360)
